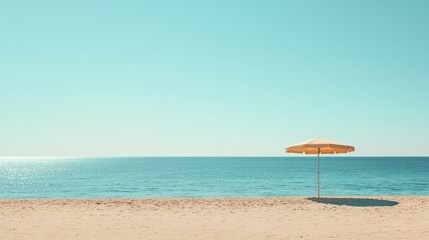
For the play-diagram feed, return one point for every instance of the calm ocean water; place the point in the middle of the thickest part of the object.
(211, 176)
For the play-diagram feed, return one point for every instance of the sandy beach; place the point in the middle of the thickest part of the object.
(216, 218)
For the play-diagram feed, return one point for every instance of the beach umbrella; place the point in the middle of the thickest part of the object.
(319, 146)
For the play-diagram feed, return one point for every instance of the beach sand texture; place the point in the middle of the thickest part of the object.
(216, 218)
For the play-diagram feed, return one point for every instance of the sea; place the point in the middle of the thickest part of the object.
(174, 177)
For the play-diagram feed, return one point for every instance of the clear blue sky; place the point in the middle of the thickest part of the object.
(212, 77)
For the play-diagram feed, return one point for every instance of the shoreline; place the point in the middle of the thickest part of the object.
(383, 217)
(215, 197)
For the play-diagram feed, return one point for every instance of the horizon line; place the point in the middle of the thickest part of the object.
(208, 156)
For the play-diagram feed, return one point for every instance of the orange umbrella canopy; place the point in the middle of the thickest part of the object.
(325, 146)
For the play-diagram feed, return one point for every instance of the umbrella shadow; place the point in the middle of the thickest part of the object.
(355, 202)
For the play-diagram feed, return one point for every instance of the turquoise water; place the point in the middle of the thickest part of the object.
(211, 176)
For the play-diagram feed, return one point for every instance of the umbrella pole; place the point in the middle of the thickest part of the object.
(318, 173)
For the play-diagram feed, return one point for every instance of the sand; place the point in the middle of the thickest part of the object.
(216, 218)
